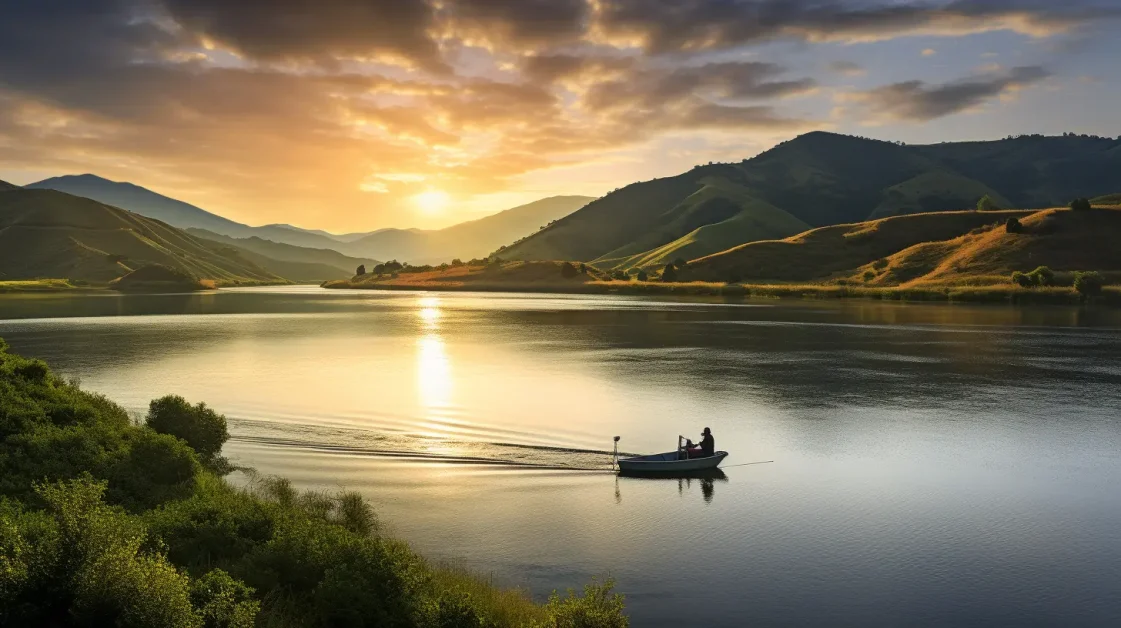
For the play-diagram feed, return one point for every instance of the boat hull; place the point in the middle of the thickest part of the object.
(669, 463)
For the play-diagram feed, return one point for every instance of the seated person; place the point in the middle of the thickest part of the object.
(706, 448)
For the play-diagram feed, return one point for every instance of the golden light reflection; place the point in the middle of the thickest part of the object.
(433, 371)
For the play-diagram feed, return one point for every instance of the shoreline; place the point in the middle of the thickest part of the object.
(1010, 295)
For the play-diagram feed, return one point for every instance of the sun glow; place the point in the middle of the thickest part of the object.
(432, 201)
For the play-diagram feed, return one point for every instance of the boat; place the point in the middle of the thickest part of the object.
(670, 462)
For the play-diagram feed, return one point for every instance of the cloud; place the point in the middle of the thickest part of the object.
(662, 26)
(521, 24)
(917, 101)
(847, 68)
(929, 52)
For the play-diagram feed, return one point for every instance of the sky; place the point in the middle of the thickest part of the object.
(352, 115)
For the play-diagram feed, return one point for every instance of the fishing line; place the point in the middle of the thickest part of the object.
(744, 464)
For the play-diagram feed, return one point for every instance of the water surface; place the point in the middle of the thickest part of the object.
(933, 465)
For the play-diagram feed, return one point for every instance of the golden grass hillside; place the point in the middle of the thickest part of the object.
(505, 276)
(49, 234)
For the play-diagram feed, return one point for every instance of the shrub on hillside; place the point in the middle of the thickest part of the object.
(669, 273)
(869, 276)
(1042, 276)
(1089, 284)
(568, 271)
(620, 276)
(1022, 280)
(598, 608)
(361, 270)
(880, 264)
(680, 263)
(642, 276)
(987, 204)
(1080, 204)
(201, 427)
(1012, 225)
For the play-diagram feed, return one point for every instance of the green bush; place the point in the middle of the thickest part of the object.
(1012, 225)
(987, 204)
(224, 602)
(1081, 204)
(669, 273)
(1023, 280)
(1089, 284)
(642, 276)
(1042, 276)
(881, 263)
(598, 608)
(868, 276)
(203, 429)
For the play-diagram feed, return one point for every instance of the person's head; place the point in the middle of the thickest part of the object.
(706, 432)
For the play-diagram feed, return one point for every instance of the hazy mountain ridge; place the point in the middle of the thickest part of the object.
(51, 234)
(823, 179)
(319, 264)
(470, 239)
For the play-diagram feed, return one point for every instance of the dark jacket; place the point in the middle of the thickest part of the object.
(708, 445)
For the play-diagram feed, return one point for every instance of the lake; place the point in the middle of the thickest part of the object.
(933, 464)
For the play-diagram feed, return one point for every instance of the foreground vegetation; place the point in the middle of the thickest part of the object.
(105, 522)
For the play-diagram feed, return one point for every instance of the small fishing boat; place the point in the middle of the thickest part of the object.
(670, 462)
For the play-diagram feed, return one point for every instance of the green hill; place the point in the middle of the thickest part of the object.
(297, 263)
(45, 233)
(816, 180)
(952, 248)
(1108, 199)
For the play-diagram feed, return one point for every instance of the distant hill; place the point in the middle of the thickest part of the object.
(815, 180)
(174, 212)
(292, 262)
(952, 248)
(1108, 199)
(51, 234)
(476, 238)
(4, 185)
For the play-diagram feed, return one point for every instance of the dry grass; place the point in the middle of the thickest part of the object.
(38, 285)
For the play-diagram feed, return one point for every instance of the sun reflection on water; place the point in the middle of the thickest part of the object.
(434, 383)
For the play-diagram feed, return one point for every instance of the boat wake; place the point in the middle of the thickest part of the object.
(413, 447)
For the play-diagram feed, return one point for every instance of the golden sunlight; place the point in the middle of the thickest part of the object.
(432, 201)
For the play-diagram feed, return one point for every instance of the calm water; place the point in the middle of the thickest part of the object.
(933, 465)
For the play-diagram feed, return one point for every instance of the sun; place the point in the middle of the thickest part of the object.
(432, 201)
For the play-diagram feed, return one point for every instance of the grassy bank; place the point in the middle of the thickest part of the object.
(546, 278)
(107, 522)
(43, 285)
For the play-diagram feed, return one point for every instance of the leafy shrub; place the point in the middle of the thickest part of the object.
(680, 263)
(1042, 276)
(361, 270)
(598, 608)
(880, 264)
(987, 204)
(642, 276)
(620, 276)
(1080, 204)
(869, 276)
(1089, 284)
(669, 273)
(582, 268)
(203, 429)
(1012, 225)
(32, 370)
(224, 602)
(1023, 280)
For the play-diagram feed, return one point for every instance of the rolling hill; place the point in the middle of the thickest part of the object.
(942, 248)
(174, 212)
(466, 240)
(45, 233)
(292, 262)
(475, 238)
(819, 179)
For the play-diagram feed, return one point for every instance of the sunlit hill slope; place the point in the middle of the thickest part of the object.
(45, 233)
(817, 180)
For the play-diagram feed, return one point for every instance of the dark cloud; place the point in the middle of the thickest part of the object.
(524, 23)
(552, 67)
(676, 25)
(917, 101)
(656, 88)
(847, 68)
(313, 29)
